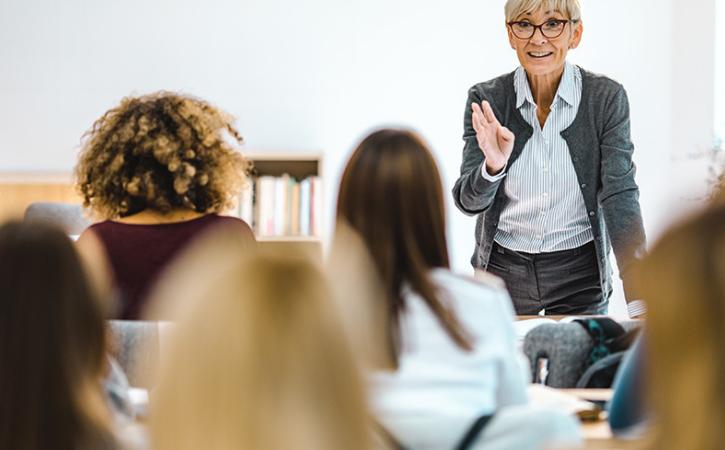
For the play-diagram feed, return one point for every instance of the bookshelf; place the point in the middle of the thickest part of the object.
(286, 198)
(19, 189)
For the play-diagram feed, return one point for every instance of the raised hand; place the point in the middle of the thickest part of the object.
(495, 141)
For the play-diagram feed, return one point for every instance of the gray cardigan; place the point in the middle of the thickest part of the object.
(601, 151)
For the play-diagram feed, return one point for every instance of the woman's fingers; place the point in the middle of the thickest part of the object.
(476, 116)
(506, 134)
(488, 113)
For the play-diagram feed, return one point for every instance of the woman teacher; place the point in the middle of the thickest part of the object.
(547, 168)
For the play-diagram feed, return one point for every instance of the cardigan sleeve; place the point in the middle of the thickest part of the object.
(472, 193)
(619, 194)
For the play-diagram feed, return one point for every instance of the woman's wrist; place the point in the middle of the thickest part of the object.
(493, 170)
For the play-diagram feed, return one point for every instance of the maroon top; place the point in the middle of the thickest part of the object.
(138, 253)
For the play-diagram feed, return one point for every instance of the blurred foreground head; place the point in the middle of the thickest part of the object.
(258, 361)
(684, 282)
(51, 345)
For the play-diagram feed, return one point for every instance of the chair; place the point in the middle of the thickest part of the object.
(136, 346)
(67, 216)
(566, 347)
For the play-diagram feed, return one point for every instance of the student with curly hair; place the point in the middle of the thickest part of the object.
(158, 169)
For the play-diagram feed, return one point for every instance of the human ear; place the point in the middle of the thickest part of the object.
(576, 35)
(512, 38)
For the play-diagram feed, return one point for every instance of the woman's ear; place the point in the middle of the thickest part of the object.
(576, 35)
(511, 37)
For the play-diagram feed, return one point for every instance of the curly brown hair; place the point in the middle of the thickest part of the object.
(160, 151)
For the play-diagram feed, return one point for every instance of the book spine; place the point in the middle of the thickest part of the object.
(246, 210)
(305, 207)
(316, 206)
(280, 205)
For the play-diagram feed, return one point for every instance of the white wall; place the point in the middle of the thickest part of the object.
(316, 74)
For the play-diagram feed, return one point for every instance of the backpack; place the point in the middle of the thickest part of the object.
(610, 342)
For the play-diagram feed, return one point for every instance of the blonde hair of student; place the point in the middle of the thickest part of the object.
(684, 282)
(258, 361)
(515, 8)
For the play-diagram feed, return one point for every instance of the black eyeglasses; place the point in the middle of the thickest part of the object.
(551, 29)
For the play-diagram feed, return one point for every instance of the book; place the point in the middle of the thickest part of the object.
(266, 197)
(316, 206)
(246, 204)
(305, 190)
(280, 205)
(295, 210)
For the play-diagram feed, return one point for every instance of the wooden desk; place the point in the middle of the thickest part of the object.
(592, 395)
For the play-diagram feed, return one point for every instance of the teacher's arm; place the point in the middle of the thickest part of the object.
(619, 194)
(487, 147)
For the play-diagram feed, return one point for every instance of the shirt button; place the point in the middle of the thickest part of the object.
(545, 169)
(545, 194)
(543, 213)
(538, 236)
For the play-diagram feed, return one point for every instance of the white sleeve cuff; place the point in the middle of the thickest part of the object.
(636, 308)
(489, 177)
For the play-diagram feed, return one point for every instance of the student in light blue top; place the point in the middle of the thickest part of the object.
(547, 169)
(627, 411)
(456, 379)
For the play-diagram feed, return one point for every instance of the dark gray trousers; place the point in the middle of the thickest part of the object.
(559, 283)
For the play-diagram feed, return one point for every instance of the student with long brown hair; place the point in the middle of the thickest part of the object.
(52, 345)
(450, 339)
(257, 360)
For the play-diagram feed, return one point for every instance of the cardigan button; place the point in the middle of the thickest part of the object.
(584, 185)
(591, 213)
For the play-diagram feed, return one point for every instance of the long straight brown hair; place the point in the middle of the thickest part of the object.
(391, 194)
(52, 345)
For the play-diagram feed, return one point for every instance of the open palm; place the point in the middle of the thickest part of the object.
(495, 141)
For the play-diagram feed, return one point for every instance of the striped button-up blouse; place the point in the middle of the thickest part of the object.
(545, 211)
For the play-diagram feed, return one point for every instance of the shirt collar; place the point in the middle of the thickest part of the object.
(566, 85)
(523, 91)
(565, 90)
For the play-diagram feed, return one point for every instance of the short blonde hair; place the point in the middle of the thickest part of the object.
(515, 8)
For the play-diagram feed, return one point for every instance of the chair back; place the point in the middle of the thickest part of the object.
(136, 346)
(558, 352)
(67, 216)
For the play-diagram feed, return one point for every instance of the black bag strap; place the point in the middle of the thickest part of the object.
(473, 432)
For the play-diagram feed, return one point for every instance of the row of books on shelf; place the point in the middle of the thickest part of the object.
(283, 206)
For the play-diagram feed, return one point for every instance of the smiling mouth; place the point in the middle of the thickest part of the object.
(539, 54)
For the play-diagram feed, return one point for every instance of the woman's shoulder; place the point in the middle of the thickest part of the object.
(471, 293)
(599, 85)
(490, 88)
(233, 222)
(483, 306)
